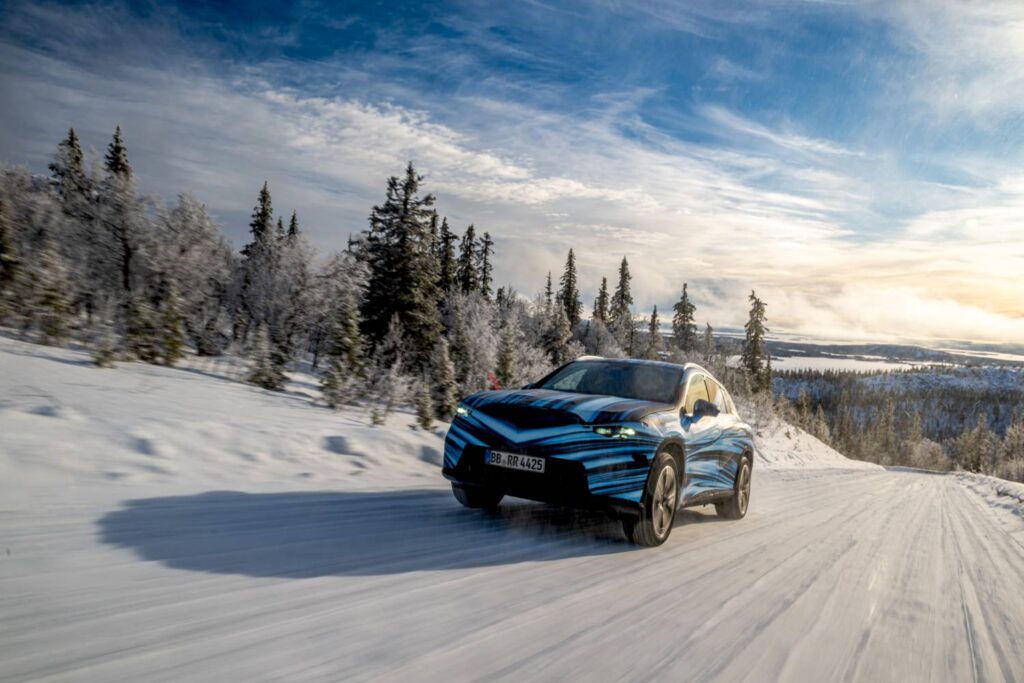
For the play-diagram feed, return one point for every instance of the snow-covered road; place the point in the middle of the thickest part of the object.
(142, 560)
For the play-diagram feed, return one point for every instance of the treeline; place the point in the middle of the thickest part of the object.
(408, 313)
(931, 417)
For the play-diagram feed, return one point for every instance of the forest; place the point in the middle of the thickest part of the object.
(409, 313)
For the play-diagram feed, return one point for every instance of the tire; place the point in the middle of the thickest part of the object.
(660, 502)
(736, 507)
(477, 496)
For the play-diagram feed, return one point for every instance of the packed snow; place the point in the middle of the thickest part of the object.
(172, 524)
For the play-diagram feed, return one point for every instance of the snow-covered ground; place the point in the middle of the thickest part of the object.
(169, 524)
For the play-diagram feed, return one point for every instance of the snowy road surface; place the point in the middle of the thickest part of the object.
(156, 525)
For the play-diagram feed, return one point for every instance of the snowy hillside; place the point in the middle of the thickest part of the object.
(169, 524)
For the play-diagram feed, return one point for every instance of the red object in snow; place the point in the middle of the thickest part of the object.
(493, 379)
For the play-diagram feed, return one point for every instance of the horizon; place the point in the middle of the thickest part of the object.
(860, 167)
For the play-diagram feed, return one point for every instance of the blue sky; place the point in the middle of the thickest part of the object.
(860, 164)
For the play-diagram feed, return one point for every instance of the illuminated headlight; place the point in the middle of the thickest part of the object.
(616, 432)
(462, 410)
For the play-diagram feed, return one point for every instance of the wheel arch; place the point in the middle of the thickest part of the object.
(675, 447)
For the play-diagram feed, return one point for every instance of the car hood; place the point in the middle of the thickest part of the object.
(535, 408)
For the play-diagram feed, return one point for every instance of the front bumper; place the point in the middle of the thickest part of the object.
(563, 482)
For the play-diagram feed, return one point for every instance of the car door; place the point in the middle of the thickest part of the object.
(728, 442)
(703, 467)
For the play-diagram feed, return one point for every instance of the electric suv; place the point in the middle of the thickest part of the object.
(639, 438)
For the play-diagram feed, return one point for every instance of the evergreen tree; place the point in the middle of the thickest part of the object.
(569, 294)
(52, 306)
(684, 329)
(142, 330)
(654, 341)
(265, 371)
(601, 302)
(620, 317)
(556, 337)
(293, 226)
(403, 279)
(548, 295)
(172, 337)
(9, 262)
(342, 382)
(68, 167)
(469, 280)
(446, 258)
(484, 266)
(708, 344)
(116, 160)
(424, 406)
(755, 357)
(261, 222)
(507, 344)
(445, 388)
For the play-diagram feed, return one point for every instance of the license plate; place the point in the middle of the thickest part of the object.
(515, 461)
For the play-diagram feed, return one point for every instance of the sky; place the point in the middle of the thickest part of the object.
(859, 164)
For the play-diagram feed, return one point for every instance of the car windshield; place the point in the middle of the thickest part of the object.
(641, 381)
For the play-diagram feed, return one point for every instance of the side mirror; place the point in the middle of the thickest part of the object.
(704, 408)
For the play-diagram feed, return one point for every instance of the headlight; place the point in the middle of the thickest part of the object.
(462, 410)
(616, 431)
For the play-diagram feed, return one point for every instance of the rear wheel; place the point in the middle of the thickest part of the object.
(477, 496)
(661, 498)
(736, 507)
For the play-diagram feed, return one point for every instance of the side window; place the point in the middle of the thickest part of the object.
(719, 397)
(696, 390)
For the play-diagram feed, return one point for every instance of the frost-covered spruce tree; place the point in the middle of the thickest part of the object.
(444, 384)
(424, 406)
(601, 303)
(343, 381)
(403, 277)
(484, 266)
(264, 370)
(9, 262)
(654, 341)
(447, 267)
(548, 296)
(708, 350)
(467, 274)
(473, 341)
(620, 316)
(389, 386)
(684, 329)
(569, 293)
(257, 268)
(508, 341)
(172, 335)
(52, 309)
(557, 337)
(142, 333)
(755, 354)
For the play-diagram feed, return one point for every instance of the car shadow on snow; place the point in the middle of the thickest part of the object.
(303, 535)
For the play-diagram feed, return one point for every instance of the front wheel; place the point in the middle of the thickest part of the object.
(736, 507)
(477, 496)
(661, 498)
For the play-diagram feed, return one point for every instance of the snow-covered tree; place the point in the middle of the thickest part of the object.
(485, 267)
(265, 370)
(569, 292)
(466, 273)
(654, 341)
(444, 383)
(601, 303)
(684, 329)
(424, 406)
(755, 355)
(620, 315)
(557, 337)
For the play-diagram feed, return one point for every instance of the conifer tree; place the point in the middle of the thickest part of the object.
(507, 343)
(654, 342)
(293, 226)
(68, 168)
(265, 371)
(484, 266)
(261, 222)
(345, 374)
(445, 387)
(569, 294)
(403, 278)
(172, 337)
(601, 302)
(52, 306)
(9, 262)
(620, 317)
(556, 337)
(447, 266)
(754, 350)
(142, 329)
(424, 406)
(708, 344)
(684, 329)
(468, 277)
(548, 295)
(116, 159)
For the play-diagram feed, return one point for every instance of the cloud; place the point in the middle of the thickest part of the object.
(748, 205)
